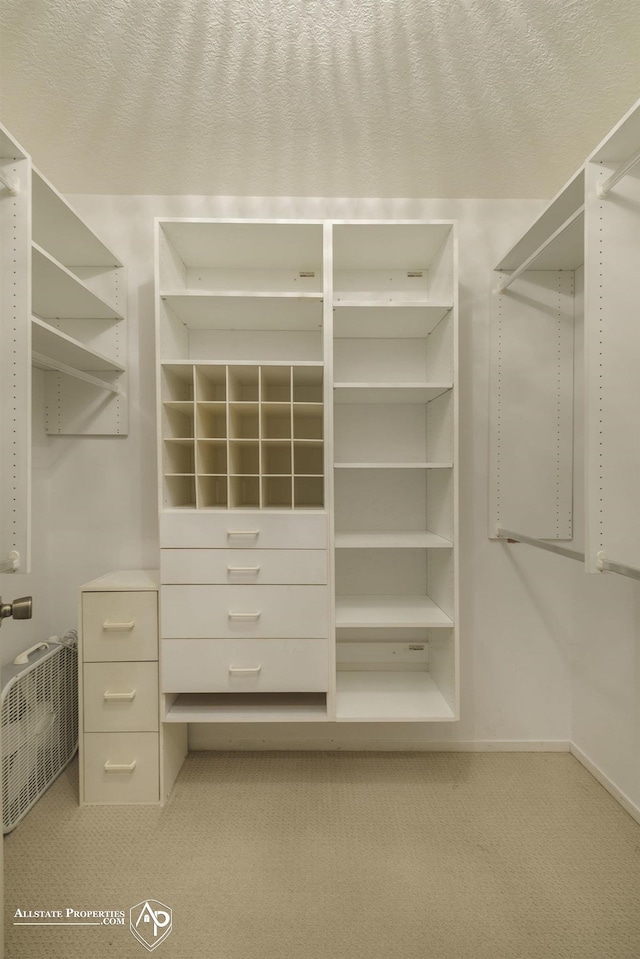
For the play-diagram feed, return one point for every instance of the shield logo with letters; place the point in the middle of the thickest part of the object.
(150, 922)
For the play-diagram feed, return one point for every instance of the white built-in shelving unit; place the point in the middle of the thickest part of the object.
(395, 470)
(307, 408)
(63, 311)
(565, 458)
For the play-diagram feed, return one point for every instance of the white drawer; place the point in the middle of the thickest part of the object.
(120, 696)
(243, 566)
(243, 530)
(121, 768)
(119, 626)
(244, 665)
(204, 612)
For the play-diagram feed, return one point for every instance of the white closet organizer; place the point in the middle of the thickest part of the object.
(395, 481)
(63, 304)
(306, 401)
(566, 344)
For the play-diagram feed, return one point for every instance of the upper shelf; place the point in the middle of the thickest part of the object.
(58, 229)
(59, 294)
(241, 311)
(567, 251)
(378, 320)
(9, 149)
(388, 246)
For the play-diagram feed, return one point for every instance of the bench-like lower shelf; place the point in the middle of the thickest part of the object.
(248, 708)
(373, 695)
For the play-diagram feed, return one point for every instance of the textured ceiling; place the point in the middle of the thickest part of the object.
(440, 98)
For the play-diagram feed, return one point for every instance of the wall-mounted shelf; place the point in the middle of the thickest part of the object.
(59, 294)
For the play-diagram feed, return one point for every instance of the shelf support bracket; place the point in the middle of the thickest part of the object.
(11, 186)
(608, 566)
(47, 363)
(602, 189)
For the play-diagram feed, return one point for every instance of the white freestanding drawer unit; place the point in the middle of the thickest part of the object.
(126, 755)
(307, 438)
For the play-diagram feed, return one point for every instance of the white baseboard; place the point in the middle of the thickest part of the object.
(612, 789)
(203, 738)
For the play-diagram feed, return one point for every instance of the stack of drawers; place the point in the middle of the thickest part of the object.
(119, 689)
(244, 603)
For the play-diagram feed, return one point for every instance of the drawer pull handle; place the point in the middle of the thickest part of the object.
(119, 767)
(120, 697)
(243, 569)
(119, 627)
(243, 532)
(245, 670)
(242, 616)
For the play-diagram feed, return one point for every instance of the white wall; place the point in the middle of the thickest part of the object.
(548, 654)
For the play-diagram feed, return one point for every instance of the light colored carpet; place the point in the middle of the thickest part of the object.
(340, 856)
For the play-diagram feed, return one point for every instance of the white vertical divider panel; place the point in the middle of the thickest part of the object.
(612, 353)
(15, 355)
(329, 492)
(531, 418)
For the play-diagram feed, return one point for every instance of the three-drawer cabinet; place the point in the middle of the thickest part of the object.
(121, 741)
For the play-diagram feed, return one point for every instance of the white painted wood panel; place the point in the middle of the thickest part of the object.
(120, 697)
(243, 530)
(119, 626)
(121, 768)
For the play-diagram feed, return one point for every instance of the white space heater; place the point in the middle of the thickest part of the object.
(39, 722)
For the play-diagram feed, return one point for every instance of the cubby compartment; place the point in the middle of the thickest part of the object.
(244, 421)
(307, 421)
(212, 421)
(212, 456)
(244, 384)
(275, 384)
(277, 492)
(179, 492)
(211, 383)
(276, 457)
(179, 456)
(308, 492)
(177, 383)
(307, 384)
(244, 492)
(177, 420)
(213, 492)
(308, 458)
(276, 421)
(244, 457)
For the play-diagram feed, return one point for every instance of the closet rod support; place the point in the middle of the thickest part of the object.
(511, 537)
(506, 281)
(603, 188)
(11, 186)
(47, 363)
(608, 566)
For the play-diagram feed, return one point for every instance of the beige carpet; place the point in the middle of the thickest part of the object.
(346, 855)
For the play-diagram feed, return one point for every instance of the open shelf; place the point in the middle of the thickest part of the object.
(59, 229)
(368, 319)
(247, 708)
(59, 346)
(402, 696)
(390, 539)
(389, 612)
(59, 294)
(392, 466)
(388, 392)
(229, 310)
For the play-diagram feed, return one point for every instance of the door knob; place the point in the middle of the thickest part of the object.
(20, 608)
